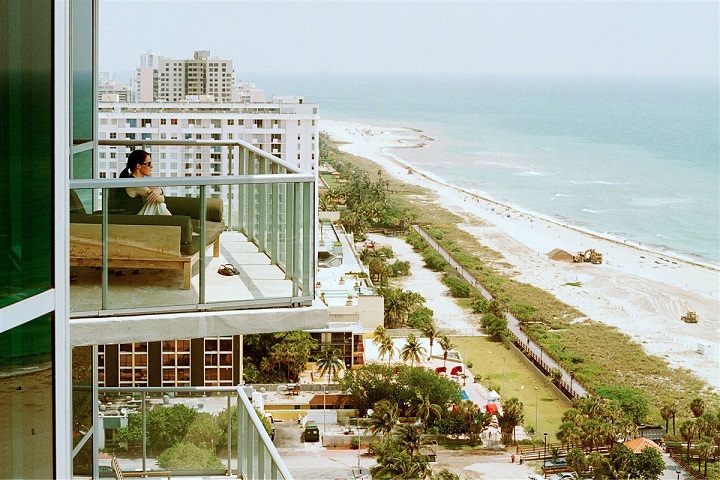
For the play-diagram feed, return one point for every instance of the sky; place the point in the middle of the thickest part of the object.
(454, 37)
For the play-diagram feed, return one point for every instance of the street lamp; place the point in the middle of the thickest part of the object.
(324, 406)
(536, 409)
(545, 454)
(572, 375)
(503, 382)
(678, 473)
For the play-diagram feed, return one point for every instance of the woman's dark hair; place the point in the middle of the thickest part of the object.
(136, 157)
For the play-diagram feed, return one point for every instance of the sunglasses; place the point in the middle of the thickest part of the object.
(148, 164)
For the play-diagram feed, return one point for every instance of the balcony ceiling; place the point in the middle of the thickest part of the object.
(156, 327)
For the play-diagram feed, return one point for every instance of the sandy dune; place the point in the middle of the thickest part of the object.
(641, 292)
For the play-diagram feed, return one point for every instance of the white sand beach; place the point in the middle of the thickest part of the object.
(639, 291)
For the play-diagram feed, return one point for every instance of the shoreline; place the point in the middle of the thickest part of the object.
(651, 249)
(640, 291)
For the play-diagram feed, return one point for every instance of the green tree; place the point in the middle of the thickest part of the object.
(446, 345)
(204, 432)
(649, 464)
(394, 460)
(167, 426)
(569, 434)
(186, 456)
(412, 350)
(370, 383)
(666, 412)
(474, 420)
(291, 351)
(697, 406)
(379, 334)
(420, 317)
(705, 449)
(429, 331)
(387, 349)
(495, 326)
(384, 417)
(512, 416)
(132, 434)
(423, 408)
(330, 362)
(688, 430)
(577, 460)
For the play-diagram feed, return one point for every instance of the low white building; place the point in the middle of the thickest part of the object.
(287, 130)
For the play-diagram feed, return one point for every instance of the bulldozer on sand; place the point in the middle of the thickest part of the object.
(690, 317)
(588, 256)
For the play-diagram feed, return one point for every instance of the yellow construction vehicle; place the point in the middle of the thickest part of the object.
(588, 256)
(690, 317)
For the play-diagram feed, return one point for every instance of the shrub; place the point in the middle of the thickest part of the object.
(459, 288)
(434, 261)
(186, 456)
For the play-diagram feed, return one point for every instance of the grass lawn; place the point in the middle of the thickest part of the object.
(520, 381)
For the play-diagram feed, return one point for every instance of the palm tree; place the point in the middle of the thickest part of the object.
(379, 335)
(387, 348)
(411, 436)
(424, 408)
(384, 417)
(688, 430)
(446, 345)
(330, 362)
(412, 350)
(697, 406)
(706, 449)
(666, 414)
(428, 331)
(569, 434)
(511, 417)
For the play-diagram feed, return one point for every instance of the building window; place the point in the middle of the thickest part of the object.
(218, 361)
(163, 121)
(175, 363)
(231, 121)
(173, 121)
(133, 364)
(146, 122)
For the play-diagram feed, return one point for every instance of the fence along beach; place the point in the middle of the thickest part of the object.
(642, 292)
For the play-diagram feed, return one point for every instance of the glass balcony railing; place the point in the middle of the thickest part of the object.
(186, 431)
(241, 233)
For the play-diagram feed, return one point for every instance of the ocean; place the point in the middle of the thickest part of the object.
(636, 159)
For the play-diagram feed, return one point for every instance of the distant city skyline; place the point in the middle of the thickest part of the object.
(469, 37)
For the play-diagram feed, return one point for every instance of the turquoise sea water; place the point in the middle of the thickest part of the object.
(634, 158)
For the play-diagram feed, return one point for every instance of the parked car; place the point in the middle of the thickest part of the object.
(558, 462)
(311, 432)
(561, 476)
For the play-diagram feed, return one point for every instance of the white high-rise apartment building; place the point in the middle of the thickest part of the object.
(203, 76)
(286, 128)
(149, 59)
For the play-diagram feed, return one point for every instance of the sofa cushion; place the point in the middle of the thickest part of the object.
(190, 206)
(183, 221)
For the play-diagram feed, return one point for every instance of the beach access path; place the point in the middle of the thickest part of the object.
(513, 323)
(641, 292)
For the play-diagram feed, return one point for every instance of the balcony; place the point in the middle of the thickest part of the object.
(241, 447)
(257, 216)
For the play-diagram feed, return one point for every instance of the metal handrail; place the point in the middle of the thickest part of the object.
(272, 173)
(201, 143)
(251, 432)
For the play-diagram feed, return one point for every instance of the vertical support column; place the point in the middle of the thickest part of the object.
(229, 436)
(203, 237)
(250, 200)
(105, 279)
(275, 228)
(261, 234)
(243, 453)
(230, 150)
(298, 244)
(308, 231)
(290, 233)
(144, 432)
(242, 193)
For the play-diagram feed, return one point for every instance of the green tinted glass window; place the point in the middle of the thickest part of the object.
(26, 400)
(82, 71)
(26, 143)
